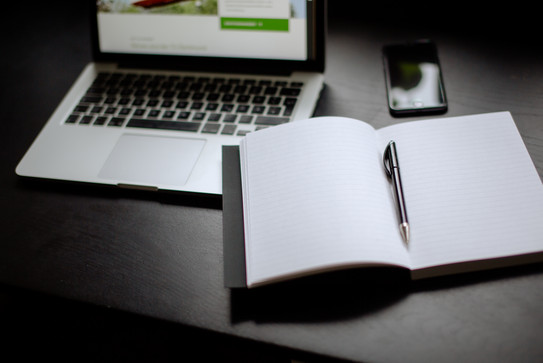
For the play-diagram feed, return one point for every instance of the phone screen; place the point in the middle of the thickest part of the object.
(413, 79)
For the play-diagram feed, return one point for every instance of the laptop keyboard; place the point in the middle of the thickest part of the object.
(226, 106)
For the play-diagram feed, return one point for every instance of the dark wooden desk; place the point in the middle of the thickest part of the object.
(98, 273)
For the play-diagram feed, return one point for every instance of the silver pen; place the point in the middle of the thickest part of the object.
(392, 168)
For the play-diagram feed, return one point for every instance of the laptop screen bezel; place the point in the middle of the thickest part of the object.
(219, 64)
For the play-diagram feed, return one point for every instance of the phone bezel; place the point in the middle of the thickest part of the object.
(413, 111)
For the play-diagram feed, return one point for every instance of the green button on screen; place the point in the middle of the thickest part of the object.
(254, 24)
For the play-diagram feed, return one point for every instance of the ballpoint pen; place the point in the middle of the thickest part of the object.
(392, 167)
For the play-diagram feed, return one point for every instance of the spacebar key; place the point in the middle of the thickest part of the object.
(163, 125)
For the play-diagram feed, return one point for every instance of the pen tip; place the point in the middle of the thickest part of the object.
(404, 230)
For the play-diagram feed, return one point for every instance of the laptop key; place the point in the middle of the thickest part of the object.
(138, 102)
(212, 106)
(242, 109)
(197, 105)
(91, 99)
(228, 130)
(290, 101)
(93, 90)
(181, 104)
(288, 111)
(168, 114)
(116, 121)
(274, 111)
(227, 107)
(270, 91)
(258, 109)
(274, 100)
(228, 97)
(211, 128)
(259, 100)
(243, 98)
(198, 96)
(164, 125)
(290, 91)
(153, 113)
(212, 97)
(214, 117)
(270, 120)
(229, 118)
(86, 120)
(183, 115)
(242, 132)
(72, 119)
(199, 116)
(100, 120)
(246, 119)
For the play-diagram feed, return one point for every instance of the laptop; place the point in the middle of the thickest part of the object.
(171, 82)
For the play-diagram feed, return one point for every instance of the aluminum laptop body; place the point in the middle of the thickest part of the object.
(168, 78)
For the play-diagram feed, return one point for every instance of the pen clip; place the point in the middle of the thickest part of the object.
(387, 159)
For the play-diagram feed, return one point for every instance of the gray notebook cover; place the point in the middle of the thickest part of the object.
(233, 237)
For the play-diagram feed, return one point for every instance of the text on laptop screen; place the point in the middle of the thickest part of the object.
(262, 29)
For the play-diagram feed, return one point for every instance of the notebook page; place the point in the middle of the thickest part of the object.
(313, 198)
(471, 189)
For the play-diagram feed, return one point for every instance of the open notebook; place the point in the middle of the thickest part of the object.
(173, 81)
(473, 196)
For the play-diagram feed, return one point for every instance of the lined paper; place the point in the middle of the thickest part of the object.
(316, 196)
(316, 199)
(471, 189)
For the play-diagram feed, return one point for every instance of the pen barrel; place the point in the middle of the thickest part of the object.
(398, 194)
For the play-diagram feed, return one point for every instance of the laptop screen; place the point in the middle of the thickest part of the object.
(242, 29)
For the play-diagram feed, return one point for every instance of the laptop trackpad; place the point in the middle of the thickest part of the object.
(152, 160)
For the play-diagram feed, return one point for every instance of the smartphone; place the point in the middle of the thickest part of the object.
(413, 79)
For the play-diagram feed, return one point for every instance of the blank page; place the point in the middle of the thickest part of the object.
(316, 198)
(471, 189)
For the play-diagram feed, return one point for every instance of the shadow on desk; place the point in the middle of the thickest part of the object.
(41, 327)
(349, 294)
(111, 192)
(326, 297)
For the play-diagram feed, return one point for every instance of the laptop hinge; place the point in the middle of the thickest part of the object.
(268, 71)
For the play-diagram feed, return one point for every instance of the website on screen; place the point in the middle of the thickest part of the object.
(270, 29)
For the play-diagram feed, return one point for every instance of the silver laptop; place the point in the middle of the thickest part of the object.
(173, 81)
